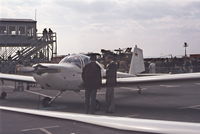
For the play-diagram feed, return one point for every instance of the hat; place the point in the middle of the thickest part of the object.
(93, 56)
(111, 57)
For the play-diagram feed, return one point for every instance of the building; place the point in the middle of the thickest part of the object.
(20, 43)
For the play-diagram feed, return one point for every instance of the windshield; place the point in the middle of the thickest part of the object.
(79, 60)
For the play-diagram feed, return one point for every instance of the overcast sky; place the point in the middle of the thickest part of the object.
(159, 27)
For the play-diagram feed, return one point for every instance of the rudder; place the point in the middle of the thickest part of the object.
(137, 62)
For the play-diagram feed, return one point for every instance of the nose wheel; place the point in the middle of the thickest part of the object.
(46, 102)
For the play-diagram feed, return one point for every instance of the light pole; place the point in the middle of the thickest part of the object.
(185, 46)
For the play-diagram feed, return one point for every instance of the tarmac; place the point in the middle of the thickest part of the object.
(179, 102)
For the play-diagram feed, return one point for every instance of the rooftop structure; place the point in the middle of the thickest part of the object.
(14, 32)
(20, 42)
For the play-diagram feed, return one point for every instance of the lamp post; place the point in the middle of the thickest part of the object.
(185, 46)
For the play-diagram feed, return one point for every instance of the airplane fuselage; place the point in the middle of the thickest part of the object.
(67, 74)
(67, 77)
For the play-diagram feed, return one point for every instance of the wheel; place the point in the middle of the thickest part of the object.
(3, 95)
(139, 91)
(46, 102)
(98, 106)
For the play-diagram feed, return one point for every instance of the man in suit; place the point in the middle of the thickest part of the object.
(91, 76)
(111, 81)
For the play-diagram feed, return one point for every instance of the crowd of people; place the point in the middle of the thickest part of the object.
(172, 65)
(6, 66)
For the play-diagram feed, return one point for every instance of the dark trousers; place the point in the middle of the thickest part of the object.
(110, 104)
(90, 100)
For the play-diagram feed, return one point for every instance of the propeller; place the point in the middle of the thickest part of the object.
(38, 69)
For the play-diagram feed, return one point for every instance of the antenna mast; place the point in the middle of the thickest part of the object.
(35, 14)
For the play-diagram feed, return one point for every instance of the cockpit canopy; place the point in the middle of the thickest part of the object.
(79, 60)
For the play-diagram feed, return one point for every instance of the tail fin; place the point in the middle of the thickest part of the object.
(137, 62)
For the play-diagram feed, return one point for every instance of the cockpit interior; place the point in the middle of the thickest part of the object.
(79, 60)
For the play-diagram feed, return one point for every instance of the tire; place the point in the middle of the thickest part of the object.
(98, 105)
(45, 102)
(3, 95)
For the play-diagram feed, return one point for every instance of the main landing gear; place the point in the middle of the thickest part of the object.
(47, 101)
(3, 95)
(98, 105)
(139, 90)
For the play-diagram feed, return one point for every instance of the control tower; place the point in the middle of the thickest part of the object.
(21, 44)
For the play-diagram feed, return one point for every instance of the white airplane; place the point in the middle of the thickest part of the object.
(66, 76)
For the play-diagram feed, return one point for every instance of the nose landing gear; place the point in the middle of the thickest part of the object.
(46, 102)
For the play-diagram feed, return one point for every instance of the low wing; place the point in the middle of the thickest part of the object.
(120, 123)
(20, 78)
(163, 79)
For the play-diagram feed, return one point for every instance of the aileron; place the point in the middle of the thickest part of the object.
(20, 78)
(171, 78)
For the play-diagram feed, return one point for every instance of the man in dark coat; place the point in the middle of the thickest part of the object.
(45, 36)
(91, 76)
(111, 81)
(50, 34)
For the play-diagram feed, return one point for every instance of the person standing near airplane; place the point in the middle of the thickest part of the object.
(152, 67)
(111, 81)
(91, 76)
(50, 34)
(45, 34)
